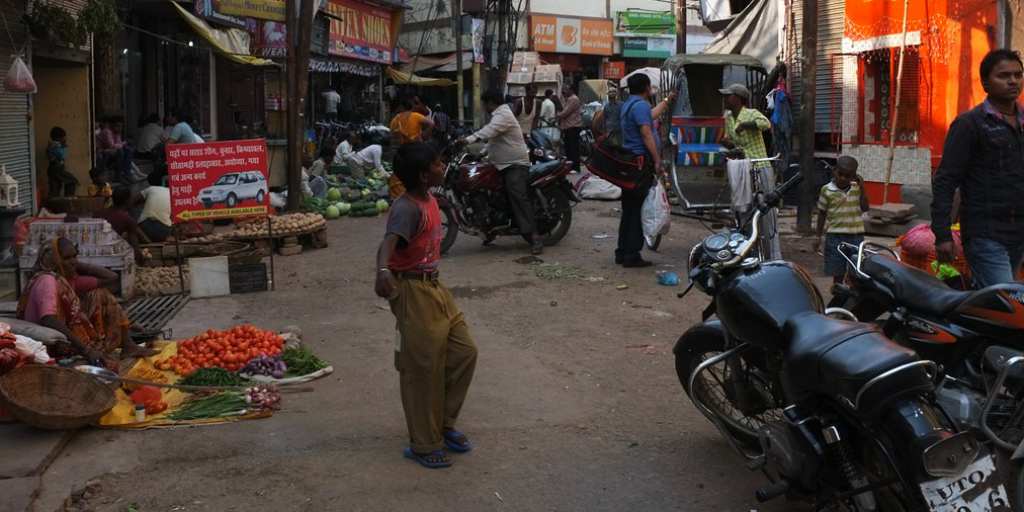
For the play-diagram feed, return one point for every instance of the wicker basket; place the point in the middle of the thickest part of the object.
(55, 398)
(246, 256)
(224, 248)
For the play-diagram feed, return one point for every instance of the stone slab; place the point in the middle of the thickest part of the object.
(28, 451)
(18, 494)
(892, 211)
(892, 230)
(920, 196)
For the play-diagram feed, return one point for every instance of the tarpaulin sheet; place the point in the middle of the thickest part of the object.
(400, 77)
(232, 44)
(755, 32)
(123, 414)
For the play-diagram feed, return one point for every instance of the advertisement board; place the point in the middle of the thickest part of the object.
(648, 47)
(362, 31)
(643, 23)
(563, 34)
(217, 180)
(614, 70)
(273, 10)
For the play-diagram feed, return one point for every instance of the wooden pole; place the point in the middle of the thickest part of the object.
(809, 71)
(896, 107)
(300, 28)
(680, 25)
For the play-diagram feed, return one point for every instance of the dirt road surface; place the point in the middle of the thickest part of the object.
(575, 405)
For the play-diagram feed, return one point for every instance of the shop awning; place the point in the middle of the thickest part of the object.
(230, 44)
(755, 32)
(401, 77)
(443, 64)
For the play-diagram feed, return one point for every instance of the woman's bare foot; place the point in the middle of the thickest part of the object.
(136, 351)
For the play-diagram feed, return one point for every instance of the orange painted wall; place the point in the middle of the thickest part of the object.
(955, 36)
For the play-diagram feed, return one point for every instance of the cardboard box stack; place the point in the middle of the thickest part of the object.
(526, 68)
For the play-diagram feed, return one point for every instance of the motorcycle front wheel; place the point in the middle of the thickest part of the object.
(553, 228)
(449, 230)
(712, 392)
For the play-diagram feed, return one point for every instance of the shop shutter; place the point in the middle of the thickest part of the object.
(831, 18)
(15, 129)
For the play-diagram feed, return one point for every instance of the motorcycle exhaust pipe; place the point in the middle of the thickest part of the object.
(917, 429)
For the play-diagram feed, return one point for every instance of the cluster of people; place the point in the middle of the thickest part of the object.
(362, 156)
(116, 155)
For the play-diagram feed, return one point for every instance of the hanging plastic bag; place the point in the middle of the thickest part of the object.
(656, 212)
(19, 79)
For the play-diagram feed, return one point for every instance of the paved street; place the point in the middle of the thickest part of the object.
(575, 406)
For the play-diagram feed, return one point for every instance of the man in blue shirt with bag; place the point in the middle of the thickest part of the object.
(640, 138)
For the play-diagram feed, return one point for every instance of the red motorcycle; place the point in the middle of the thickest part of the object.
(473, 200)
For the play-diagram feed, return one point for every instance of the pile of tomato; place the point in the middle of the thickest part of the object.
(230, 349)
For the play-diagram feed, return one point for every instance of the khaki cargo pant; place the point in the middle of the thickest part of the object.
(436, 361)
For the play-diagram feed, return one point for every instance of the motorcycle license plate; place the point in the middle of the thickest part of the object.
(978, 489)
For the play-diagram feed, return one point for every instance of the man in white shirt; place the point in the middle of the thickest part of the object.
(369, 158)
(346, 147)
(548, 124)
(182, 132)
(155, 219)
(151, 137)
(508, 152)
(331, 100)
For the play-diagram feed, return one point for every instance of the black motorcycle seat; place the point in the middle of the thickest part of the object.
(539, 171)
(839, 358)
(914, 287)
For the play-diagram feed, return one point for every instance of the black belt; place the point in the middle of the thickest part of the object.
(417, 275)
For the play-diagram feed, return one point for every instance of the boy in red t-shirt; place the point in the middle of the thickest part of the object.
(437, 356)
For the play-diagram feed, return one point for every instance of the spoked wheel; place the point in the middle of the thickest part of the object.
(712, 391)
(449, 230)
(553, 226)
(891, 498)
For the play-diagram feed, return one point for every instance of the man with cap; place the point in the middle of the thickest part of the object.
(743, 126)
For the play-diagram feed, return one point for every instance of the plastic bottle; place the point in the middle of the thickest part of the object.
(140, 413)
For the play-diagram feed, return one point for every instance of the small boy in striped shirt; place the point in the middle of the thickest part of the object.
(841, 207)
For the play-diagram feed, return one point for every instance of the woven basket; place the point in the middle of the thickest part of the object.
(925, 262)
(224, 248)
(54, 398)
(246, 256)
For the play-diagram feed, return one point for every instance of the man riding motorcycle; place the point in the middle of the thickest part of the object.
(508, 152)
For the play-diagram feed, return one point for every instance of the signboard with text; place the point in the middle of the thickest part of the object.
(614, 69)
(644, 23)
(362, 31)
(561, 34)
(648, 47)
(218, 180)
(273, 10)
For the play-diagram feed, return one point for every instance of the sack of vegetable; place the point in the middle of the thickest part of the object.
(19, 79)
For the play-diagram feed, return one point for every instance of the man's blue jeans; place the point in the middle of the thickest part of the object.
(991, 261)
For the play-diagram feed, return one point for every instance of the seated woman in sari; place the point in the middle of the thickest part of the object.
(73, 298)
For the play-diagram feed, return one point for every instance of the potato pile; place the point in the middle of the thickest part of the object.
(151, 281)
(208, 239)
(284, 225)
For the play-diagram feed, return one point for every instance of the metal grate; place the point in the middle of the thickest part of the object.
(152, 314)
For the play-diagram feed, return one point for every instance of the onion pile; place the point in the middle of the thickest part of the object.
(264, 365)
(263, 398)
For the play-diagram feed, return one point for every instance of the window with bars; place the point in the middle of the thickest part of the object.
(877, 72)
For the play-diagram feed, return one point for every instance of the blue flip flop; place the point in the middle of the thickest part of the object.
(422, 459)
(449, 441)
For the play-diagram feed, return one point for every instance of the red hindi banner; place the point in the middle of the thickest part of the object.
(217, 180)
(362, 31)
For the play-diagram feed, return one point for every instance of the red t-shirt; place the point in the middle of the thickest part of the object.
(418, 225)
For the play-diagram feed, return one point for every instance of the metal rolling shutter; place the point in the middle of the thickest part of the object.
(831, 18)
(15, 129)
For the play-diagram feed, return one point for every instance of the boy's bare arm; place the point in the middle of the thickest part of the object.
(385, 286)
(864, 204)
(821, 229)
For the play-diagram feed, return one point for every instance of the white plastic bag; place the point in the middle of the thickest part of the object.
(656, 212)
(19, 79)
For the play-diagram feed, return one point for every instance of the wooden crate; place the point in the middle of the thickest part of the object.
(315, 240)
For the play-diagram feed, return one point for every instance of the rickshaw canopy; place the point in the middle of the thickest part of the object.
(720, 59)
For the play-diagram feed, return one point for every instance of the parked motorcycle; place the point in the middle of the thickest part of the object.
(541, 148)
(831, 411)
(473, 199)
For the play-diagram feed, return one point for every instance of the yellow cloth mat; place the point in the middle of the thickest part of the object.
(123, 414)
